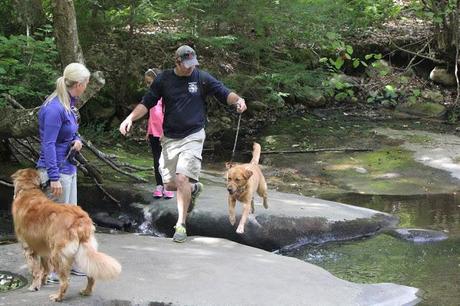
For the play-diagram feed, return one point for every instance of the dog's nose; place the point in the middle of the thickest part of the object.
(230, 190)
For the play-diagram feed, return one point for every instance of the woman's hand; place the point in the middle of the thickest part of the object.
(77, 145)
(56, 188)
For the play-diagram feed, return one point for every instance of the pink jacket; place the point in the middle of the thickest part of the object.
(155, 124)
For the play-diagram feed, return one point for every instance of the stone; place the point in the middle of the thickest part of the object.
(417, 235)
(442, 76)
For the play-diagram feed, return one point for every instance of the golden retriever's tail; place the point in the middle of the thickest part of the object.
(255, 153)
(96, 264)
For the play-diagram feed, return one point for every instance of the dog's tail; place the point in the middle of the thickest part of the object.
(255, 153)
(96, 264)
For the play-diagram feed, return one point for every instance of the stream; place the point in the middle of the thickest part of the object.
(432, 267)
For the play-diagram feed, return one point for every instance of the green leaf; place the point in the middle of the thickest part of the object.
(341, 96)
(356, 63)
(338, 63)
(349, 49)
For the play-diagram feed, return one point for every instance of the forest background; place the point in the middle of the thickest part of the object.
(284, 57)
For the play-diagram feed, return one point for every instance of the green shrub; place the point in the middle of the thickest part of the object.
(27, 68)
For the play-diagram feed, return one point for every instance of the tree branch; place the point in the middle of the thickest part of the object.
(434, 60)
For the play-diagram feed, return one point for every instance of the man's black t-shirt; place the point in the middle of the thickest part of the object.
(183, 100)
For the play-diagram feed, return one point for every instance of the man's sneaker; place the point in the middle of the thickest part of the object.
(168, 194)
(181, 233)
(52, 278)
(195, 194)
(76, 272)
(158, 193)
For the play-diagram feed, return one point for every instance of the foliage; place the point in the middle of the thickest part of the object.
(28, 67)
(388, 96)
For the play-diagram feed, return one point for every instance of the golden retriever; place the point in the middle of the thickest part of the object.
(243, 180)
(54, 236)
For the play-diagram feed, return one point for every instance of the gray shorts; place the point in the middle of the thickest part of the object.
(182, 156)
(69, 187)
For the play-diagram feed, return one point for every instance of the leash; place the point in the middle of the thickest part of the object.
(236, 138)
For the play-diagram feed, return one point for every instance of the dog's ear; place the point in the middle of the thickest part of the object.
(16, 174)
(247, 174)
(228, 165)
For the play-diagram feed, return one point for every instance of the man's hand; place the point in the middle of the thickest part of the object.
(240, 105)
(56, 188)
(125, 126)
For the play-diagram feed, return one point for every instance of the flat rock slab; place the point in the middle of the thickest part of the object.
(290, 221)
(417, 235)
(205, 271)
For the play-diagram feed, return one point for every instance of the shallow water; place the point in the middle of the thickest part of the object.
(432, 267)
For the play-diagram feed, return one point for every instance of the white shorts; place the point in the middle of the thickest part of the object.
(182, 156)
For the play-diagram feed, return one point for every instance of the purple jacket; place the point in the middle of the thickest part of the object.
(58, 128)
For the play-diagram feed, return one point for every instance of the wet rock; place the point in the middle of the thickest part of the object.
(105, 220)
(417, 235)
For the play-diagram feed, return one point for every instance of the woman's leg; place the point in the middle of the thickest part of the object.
(155, 145)
(69, 189)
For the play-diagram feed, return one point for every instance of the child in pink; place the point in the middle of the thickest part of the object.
(154, 132)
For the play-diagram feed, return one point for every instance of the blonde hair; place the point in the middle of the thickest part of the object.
(73, 73)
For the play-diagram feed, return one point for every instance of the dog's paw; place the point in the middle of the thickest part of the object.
(240, 229)
(56, 297)
(232, 220)
(33, 288)
(85, 292)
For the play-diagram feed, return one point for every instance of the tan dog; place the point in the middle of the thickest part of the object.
(243, 181)
(54, 236)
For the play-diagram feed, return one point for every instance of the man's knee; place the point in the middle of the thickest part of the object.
(181, 181)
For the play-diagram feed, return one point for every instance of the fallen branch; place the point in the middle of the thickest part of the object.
(316, 151)
(106, 193)
(5, 183)
(434, 60)
(111, 163)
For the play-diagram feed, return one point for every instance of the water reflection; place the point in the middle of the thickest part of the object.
(437, 212)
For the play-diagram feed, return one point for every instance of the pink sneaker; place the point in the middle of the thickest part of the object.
(168, 194)
(158, 193)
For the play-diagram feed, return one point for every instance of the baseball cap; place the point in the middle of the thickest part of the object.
(187, 56)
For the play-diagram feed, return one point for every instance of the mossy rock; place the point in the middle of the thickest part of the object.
(426, 109)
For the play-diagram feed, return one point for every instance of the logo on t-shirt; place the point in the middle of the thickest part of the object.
(192, 87)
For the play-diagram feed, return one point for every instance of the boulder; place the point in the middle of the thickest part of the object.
(443, 76)
(417, 235)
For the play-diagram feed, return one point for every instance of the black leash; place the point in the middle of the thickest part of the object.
(236, 138)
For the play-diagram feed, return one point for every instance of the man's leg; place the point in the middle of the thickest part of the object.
(184, 191)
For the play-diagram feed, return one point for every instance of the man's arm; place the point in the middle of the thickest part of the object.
(237, 101)
(139, 111)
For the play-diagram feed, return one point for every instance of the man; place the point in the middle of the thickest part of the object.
(183, 90)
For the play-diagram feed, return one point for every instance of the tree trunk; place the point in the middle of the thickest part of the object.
(66, 32)
(20, 123)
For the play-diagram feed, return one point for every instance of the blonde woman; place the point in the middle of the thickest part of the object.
(58, 127)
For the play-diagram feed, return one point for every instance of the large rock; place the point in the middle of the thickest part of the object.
(205, 271)
(290, 221)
